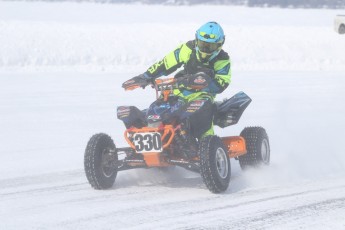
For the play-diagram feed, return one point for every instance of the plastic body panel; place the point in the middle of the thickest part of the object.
(230, 110)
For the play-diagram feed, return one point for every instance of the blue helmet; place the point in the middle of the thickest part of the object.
(209, 41)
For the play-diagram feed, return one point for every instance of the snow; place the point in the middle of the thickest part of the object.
(102, 37)
(61, 69)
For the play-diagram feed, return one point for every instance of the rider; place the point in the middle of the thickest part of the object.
(203, 54)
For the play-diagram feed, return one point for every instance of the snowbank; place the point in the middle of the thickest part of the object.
(100, 37)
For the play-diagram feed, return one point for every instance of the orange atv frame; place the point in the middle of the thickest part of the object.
(235, 145)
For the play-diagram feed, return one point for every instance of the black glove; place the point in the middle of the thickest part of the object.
(141, 80)
(196, 81)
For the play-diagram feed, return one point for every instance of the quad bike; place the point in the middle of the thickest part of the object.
(161, 136)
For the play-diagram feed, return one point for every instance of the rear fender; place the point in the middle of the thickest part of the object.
(131, 116)
(230, 110)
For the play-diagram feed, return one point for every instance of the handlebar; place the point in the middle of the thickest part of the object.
(196, 81)
(165, 84)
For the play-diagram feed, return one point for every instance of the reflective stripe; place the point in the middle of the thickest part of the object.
(170, 60)
(185, 53)
(223, 72)
(178, 56)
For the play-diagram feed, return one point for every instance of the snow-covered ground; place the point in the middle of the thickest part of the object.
(102, 37)
(61, 69)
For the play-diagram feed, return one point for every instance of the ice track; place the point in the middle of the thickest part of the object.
(66, 201)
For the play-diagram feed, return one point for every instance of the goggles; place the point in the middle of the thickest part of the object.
(207, 36)
(207, 47)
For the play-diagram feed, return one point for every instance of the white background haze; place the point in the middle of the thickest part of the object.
(61, 70)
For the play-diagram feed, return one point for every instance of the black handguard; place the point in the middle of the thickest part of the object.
(136, 82)
(196, 81)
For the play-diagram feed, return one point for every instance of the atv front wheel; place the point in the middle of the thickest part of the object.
(258, 148)
(215, 166)
(100, 161)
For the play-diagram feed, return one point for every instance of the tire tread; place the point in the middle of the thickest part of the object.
(92, 158)
(207, 169)
(253, 137)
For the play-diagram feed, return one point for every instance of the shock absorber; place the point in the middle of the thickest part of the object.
(186, 143)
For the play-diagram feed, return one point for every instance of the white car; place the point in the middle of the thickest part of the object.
(339, 24)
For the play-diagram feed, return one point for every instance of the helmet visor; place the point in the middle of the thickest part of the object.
(207, 47)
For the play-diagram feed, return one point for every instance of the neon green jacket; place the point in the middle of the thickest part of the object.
(185, 55)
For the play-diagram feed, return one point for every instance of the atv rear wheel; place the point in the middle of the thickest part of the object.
(100, 161)
(258, 148)
(215, 166)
